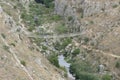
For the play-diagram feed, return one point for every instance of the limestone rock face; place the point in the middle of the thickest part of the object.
(98, 20)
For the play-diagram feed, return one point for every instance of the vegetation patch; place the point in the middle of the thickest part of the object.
(117, 65)
(53, 58)
(106, 77)
(3, 35)
(23, 62)
(61, 29)
(82, 70)
(76, 52)
(6, 48)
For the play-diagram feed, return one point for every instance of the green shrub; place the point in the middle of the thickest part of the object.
(91, 22)
(13, 44)
(3, 35)
(23, 62)
(57, 46)
(44, 47)
(65, 71)
(106, 77)
(53, 58)
(70, 18)
(56, 17)
(86, 76)
(6, 48)
(48, 3)
(75, 52)
(31, 28)
(115, 6)
(61, 29)
(86, 39)
(117, 65)
(82, 70)
(66, 42)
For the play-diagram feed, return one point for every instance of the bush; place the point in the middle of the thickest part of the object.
(75, 52)
(61, 29)
(46, 2)
(13, 44)
(3, 35)
(44, 48)
(66, 42)
(117, 65)
(53, 58)
(23, 62)
(82, 70)
(6, 48)
(31, 28)
(115, 6)
(65, 71)
(86, 39)
(86, 76)
(56, 17)
(70, 18)
(106, 77)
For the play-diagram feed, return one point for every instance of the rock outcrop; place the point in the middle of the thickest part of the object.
(97, 19)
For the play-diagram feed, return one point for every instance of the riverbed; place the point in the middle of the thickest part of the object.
(63, 63)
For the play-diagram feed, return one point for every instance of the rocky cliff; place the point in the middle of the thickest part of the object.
(99, 20)
(99, 23)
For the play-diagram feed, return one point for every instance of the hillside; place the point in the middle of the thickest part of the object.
(20, 59)
(35, 33)
(99, 23)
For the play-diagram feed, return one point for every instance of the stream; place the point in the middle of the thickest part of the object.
(63, 63)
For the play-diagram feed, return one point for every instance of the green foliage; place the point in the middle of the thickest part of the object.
(82, 70)
(3, 35)
(115, 6)
(23, 62)
(15, 7)
(6, 48)
(86, 76)
(31, 28)
(57, 46)
(13, 44)
(56, 17)
(61, 29)
(106, 77)
(53, 58)
(44, 48)
(91, 22)
(86, 39)
(70, 18)
(66, 42)
(65, 71)
(117, 65)
(48, 3)
(76, 51)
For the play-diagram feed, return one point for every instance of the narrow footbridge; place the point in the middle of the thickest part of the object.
(55, 35)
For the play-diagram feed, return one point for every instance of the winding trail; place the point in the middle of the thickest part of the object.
(97, 50)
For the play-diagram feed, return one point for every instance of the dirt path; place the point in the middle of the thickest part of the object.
(105, 53)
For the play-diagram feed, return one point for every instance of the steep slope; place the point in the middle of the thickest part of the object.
(99, 23)
(98, 19)
(19, 58)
